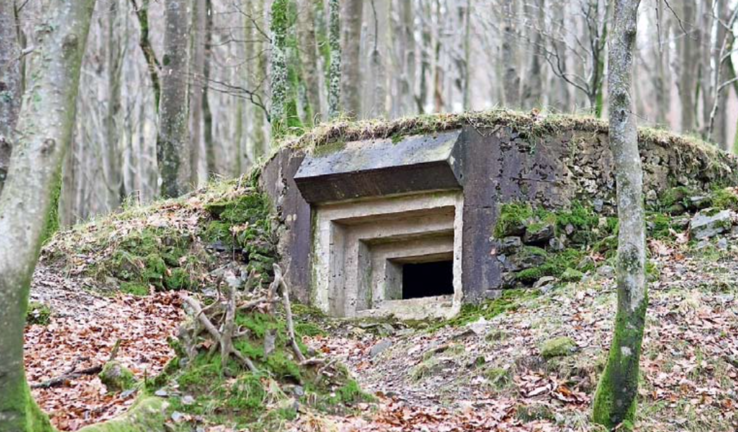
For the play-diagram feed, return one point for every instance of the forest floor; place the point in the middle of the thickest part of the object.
(486, 374)
(528, 361)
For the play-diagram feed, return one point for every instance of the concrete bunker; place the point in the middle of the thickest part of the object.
(383, 211)
(377, 220)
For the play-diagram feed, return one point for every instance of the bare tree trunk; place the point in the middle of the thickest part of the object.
(172, 143)
(615, 399)
(560, 98)
(309, 57)
(425, 12)
(510, 56)
(438, 70)
(467, 101)
(197, 50)
(10, 83)
(723, 43)
(377, 100)
(705, 60)
(71, 187)
(45, 124)
(688, 66)
(113, 167)
(351, 17)
(533, 88)
(408, 58)
(257, 143)
(211, 162)
(661, 83)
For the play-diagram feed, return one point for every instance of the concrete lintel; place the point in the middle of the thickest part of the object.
(382, 167)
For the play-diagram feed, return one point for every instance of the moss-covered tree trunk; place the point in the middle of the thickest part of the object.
(45, 128)
(279, 80)
(615, 400)
(334, 69)
(172, 142)
(10, 83)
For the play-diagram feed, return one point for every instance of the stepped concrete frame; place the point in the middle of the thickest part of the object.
(355, 214)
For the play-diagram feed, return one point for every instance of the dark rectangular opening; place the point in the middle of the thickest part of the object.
(428, 279)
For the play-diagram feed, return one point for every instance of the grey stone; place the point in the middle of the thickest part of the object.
(681, 222)
(722, 244)
(380, 348)
(606, 271)
(525, 260)
(509, 245)
(508, 280)
(709, 223)
(699, 202)
(538, 233)
(544, 281)
(598, 203)
(569, 229)
(556, 244)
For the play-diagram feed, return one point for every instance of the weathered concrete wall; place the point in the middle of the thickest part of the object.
(294, 215)
(501, 164)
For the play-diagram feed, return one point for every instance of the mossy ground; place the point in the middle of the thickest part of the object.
(175, 244)
(231, 395)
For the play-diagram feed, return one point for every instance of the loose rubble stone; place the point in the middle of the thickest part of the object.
(606, 271)
(556, 244)
(709, 223)
(546, 280)
(538, 233)
(510, 245)
(379, 348)
(526, 258)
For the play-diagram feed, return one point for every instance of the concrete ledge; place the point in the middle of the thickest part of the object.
(381, 167)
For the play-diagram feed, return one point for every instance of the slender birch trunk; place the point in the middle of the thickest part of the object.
(615, 399)
(10, 83)
(45, 128)
(172, 143)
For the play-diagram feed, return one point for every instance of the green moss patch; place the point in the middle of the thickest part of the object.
(117, 377)
(557, 347)
(38, 313)
(231, 394)
(243, 224)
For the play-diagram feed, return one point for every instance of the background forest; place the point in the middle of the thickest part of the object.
(394, 58)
